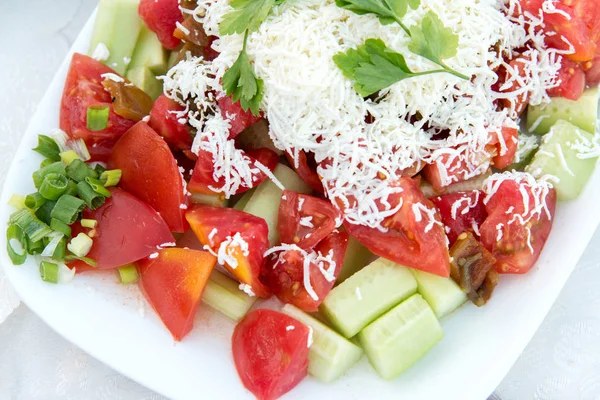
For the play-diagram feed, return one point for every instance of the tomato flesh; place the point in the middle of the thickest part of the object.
(461, 212)
(572, 81)
(173, 282)
(592, 72)
(306, 170)
(505, 152)
(161, 17)
(164, 121)
(239, 119)
(270, 351)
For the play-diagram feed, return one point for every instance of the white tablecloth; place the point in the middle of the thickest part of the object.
(562, 362)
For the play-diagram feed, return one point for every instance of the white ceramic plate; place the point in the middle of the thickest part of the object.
(107, 320)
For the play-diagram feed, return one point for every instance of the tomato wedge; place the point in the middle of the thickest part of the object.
(84, 89)
(285, 272)
(128, 230)
(161, 17)
(266, 157)
(270, 351)
(307, 170)
(415, 236)
(517, 101)
(520, 214)
(505, 152)
(165, 122)
(150, 172)
(461, 212)
(305, 220)
(449, 169)
(173, 281)
(592, 71)
(572, 81)
(240, 119)
(240, 240)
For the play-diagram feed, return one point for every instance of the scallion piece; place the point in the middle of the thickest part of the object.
(93, 199)
(99, 168)
(35, 248)
(69, 156)
(80, 245)
(44, 213)
(40, 174)
(32, 227)
(67, 209)
(97, 118)
(59, 226)
(48, 148)
(89, 223)
(49, 272)
(71, 188)
(46, 161)
(128, 274)
(16, 244)
(51, 243)
(98, 187)
(78, 171)
(17, 201)
(111, 178)
(61, 250)
(54, 186)
(34, 201)
(72, 257)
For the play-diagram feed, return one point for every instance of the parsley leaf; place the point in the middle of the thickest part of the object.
(388, 11)
(247, 15)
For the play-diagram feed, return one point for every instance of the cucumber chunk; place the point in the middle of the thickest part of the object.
(117, 26)
(224, 295)
(242, 201)
(528, 144)
(442, 294)
(403, 335)
(146, 80)
(563, 154)
(330, 354)
(149, 53)
(581, 113)
(357, 257)
(264, 203)
(367, 294)
(216, 200)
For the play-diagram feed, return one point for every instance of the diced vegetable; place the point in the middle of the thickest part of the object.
(224, 295)
(17, 201)
(357, 257)
(49, 272)
(442, 294)
(16, 243)
(217, 199)
(128, 274)
(48, 148)
(161, 16)
(528, 145)
(80, 245)
(145, 79)
(149, 54)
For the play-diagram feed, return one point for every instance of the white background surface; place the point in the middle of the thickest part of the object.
(562, 361)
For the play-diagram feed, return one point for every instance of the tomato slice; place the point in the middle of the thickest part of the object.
(505, 151)
(307, 170)
(518, 101)
(305, 220)
(285, 272)
(451, 168)
(150, 172)
(270, 351)
(266, 157)
(164, 120)
(161, 17)
(592, 72)
(415, 235)
(518, 224)
(240, 240)
(239, 119)
(461, 212)
(572, 81)
(173, 281)
(84, 89)
(128, 230)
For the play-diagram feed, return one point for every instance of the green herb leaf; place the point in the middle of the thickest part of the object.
(247, 15)
(388, 11)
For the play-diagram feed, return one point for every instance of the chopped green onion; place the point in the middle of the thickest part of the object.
(128, 274)
(35, 248)
(79, 170)
(40, 174)
(71, 188)
(32, 227)
(59, 226)
(80, 245)
(51, 243)
(97, 118)
(89, 223)
(46, 161)
(34, 201)
(111, 178)
(44, 213)
(17, 201)
(93, 199)
(49, 272)
(60, 251)
(67, 209)
(99, 168)
(80, 148)
(98, 186)
(69, 156)
(54, 186)
(16, 244)
(72, 257)
(48, 148)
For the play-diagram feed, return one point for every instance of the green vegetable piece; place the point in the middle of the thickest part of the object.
(388, 11)
(128, 274)
(89, 223)
(16, 244)
(99, 168)
(80, 245)
(32, 227)
(357, 257)
(67, 209)
(93, 199)
(40, 174)
(528, 144)
(48, 148)
(434, 41)
(67, 157)
(59, 226)
(145, 79)
(247, 15)
(35, 248)
(49, 272)
(17, 201)
(97, 186)
(72, 257)
(149, 54)
(60, 250)
(79, 170)
(34, 201)
(54, 186)
(224, 295)
(111, 178)
(44, 213)
(97, 118)
(442, 294)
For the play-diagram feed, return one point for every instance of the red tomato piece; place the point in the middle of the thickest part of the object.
(452, 168)
(572, 81)
(161, 17)
(307, 170)
(505, 150)
(518, 102)
(270, 351)
(415, 235)
(150, 172)
(592, 71)
(173, 282)
(514, 234)
(128, 230)
(84, 89)
(239, 238)
(266, 157)
(305, 220)
(461, 212)
(166, 123)
(240, 119)
(285, 273)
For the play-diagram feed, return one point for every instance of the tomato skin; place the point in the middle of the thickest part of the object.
(166, 124)
(510, 247)
(83, 88)
(240, 119)
(307, 172)
(227, 222)
(150, 172)
(284, 273)
(161, 17)
(456, 170)
(266, 157)
(128, 230)
(408, 241)
(510, 136)
(293, 208)
(519, 102)
(270, 352)
(173, 284)
(457, 222)
(572, 80)
(592, 71)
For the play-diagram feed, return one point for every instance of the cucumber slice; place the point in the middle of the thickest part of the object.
(561, 155)
(149, 53)
(143, 78)
(224, 295)
(357, 257)
(117, 25)
(528, 144)
(217, 200)
(173, 59)
(442, 294)
(330, 355)
(581, 113)
(257, 136)
(264, 203)
(367, 294)
(241, 203)
(403, 335)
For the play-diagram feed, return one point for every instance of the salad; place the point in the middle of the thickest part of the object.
(371, 165)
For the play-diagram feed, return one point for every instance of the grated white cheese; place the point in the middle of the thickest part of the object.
(101, 52)
(247, 289)
(309, 341)
(112, 77)
(290, 328)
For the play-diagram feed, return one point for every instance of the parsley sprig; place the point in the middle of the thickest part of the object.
(388, 11)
